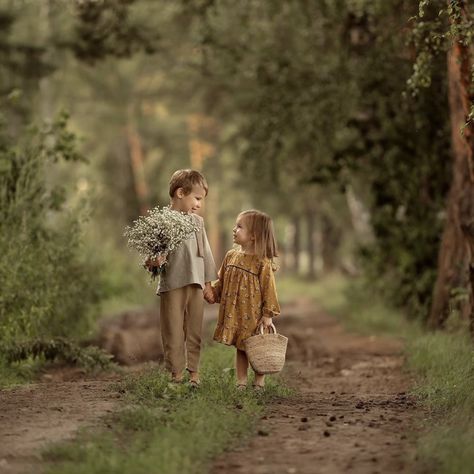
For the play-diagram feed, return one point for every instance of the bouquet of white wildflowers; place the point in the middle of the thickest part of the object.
(159, 233)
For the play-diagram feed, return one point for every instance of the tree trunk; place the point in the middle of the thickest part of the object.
(45, 89)
(331, 240)
(360, 217)
(213, 224)
(310, 221)
(296, 243)
(457, 245)
(136, 161)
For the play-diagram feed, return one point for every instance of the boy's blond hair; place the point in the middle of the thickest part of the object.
(261, 228)
(186, 179)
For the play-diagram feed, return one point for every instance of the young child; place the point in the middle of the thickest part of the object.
(246, 288)
(189, 271)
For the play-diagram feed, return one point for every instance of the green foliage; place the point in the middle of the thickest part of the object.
(170, 428)
(320, 99)
(17, 373)
(403, 156)
(57, 349)
(48, 284)
(436, 27)
(109, 27)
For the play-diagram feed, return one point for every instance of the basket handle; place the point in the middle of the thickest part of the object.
(271, 327)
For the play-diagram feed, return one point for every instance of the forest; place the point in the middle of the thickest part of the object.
(350, 122)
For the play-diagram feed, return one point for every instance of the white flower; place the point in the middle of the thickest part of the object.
(159, 232)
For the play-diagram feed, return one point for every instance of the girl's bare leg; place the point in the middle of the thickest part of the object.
(241, 365)
(259, 380)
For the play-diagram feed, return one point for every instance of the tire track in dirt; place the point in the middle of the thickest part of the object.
(36, 415)
(351, 412)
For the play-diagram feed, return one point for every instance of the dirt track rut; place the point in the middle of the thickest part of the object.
(352, 412)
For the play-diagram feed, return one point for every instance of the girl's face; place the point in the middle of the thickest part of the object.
(242, 235)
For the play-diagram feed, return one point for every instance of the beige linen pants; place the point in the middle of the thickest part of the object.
(181, 313)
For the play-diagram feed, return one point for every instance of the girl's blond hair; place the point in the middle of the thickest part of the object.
(261, 228)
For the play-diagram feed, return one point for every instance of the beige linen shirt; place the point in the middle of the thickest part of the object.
(191, 263)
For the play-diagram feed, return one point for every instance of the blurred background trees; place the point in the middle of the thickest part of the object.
(333, 116)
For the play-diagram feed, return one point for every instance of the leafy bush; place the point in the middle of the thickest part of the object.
(48, 285)
(90, 357)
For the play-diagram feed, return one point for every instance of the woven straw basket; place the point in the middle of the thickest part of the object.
(266, 352)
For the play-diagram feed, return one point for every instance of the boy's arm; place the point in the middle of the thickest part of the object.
(209, 264)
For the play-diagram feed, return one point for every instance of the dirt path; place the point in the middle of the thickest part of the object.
(36, 415)
(351, 415)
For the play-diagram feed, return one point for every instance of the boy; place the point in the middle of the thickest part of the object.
(189, 272)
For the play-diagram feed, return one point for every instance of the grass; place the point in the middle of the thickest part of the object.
(169, 428)
(442, 364)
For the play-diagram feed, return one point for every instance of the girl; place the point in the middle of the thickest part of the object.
(246, 288)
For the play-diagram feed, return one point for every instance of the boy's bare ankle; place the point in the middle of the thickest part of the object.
(194, 376)
(177, 378)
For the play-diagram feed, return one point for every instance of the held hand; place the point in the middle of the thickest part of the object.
(266, 321)
(209, 295)
(210, 299)
(155, 262)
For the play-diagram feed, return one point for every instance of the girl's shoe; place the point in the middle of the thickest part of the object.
(241, 387)
(258, 388)
(194, 383)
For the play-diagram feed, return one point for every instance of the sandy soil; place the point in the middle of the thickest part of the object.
(352, 412)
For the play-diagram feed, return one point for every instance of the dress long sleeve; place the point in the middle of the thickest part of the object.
(270, 305)
(217, 286)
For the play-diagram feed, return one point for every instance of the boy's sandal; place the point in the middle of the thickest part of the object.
(194, 383)
(241, 387)
(258, 388)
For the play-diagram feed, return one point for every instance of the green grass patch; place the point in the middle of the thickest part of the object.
(169, 428)
(444, 365)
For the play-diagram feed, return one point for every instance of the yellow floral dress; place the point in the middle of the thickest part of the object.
(246, 291)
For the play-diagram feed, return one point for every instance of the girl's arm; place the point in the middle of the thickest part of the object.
(217, 286)
(270, 305)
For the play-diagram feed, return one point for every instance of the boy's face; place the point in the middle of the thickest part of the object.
(191, 202)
